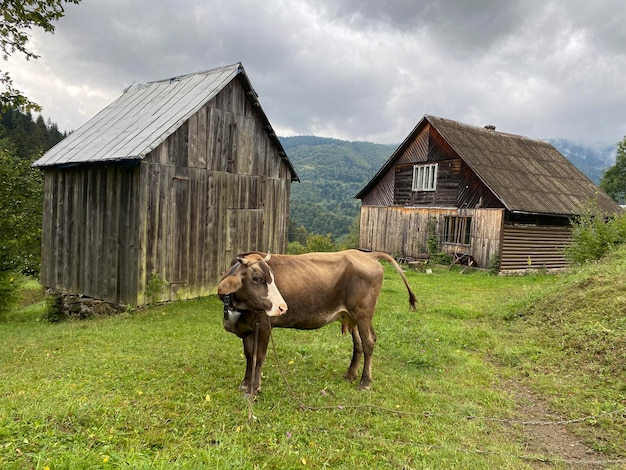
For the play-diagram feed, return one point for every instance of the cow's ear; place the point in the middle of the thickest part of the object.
(229, 285)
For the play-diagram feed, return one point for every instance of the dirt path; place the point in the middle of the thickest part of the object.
(554, 444)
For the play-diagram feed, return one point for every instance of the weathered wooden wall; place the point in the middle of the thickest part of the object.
(404, 230)
(216, 187)
(90, 228)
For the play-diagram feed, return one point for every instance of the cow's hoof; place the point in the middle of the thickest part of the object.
(349, 377)
(248, 393)
(363, 386)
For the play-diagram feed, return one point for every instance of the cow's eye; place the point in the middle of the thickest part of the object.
(257, 279)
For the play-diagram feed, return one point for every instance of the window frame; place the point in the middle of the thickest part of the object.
(423, 172)
(457, 230)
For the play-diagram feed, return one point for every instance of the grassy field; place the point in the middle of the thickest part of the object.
(460, 383)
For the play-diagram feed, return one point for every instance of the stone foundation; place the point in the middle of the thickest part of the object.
(79, 306)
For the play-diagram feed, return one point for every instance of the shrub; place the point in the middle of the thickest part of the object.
(295, 248)
(594, 235)
(155, 290)
(320, 243)
(494, 263)
(53, 311)
(440, 257)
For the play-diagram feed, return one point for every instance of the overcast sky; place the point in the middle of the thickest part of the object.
(353, 69)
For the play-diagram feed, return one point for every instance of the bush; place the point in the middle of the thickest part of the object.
(594, 235)
(295, 248)
(440, 258)
(316, 243)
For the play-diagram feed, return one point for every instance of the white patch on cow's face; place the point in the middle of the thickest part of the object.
(279, 306)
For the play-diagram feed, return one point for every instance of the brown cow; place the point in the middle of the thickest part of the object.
(305, 292)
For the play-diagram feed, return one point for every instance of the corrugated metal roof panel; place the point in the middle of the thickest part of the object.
(139, 120)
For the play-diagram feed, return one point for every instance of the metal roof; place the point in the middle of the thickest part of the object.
(143, 117)
(526, 175)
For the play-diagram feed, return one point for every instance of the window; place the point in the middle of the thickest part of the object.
(425, 177)
(457, 230)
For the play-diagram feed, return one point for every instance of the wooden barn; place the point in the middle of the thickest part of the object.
(485, 195)
(161, 188)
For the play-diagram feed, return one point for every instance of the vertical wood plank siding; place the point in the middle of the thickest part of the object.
(214, 188)
(90, 230)
(404, 231)
(230, 196)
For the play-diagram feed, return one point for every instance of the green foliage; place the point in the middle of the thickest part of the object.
(297, 233)
(494, 263)
(614, 179)
(435, 255)
(18, 18)
(53, 311)
(316, 243)
(331, 173)
(21, 199)
(156, 289)
(594, 235)
(441, 258)
(296, 248)
(352, 240)
(10, 283)
(22, 140)
(29, 137)
(432, 240)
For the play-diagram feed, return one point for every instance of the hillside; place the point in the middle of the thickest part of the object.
(333, 171)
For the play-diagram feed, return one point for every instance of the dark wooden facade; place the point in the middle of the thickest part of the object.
(476, 169)
(216, 186)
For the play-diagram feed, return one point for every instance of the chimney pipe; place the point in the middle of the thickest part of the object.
(491, 127)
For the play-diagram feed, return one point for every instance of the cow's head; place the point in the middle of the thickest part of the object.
(250, 284)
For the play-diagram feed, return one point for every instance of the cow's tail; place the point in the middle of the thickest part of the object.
(378, 255)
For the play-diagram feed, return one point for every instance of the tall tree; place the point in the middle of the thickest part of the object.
(614, 179)
(17, 18)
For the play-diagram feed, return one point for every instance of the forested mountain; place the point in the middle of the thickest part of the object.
(29, 137)
(333, 171)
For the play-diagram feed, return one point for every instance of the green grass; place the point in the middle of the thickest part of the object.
(157, 388)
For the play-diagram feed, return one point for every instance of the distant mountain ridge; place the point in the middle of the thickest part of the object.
(591, 161)
(333, 171)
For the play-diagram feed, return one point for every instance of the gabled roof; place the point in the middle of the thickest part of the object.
(526, 175)
(144, 116)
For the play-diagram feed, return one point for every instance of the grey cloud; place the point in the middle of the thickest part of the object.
(362, 69)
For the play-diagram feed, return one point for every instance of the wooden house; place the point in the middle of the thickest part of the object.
(160, 189)
(485, 195)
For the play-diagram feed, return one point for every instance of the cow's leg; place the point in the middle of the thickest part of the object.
(262, 339)
(357, 352)
(368, 340)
